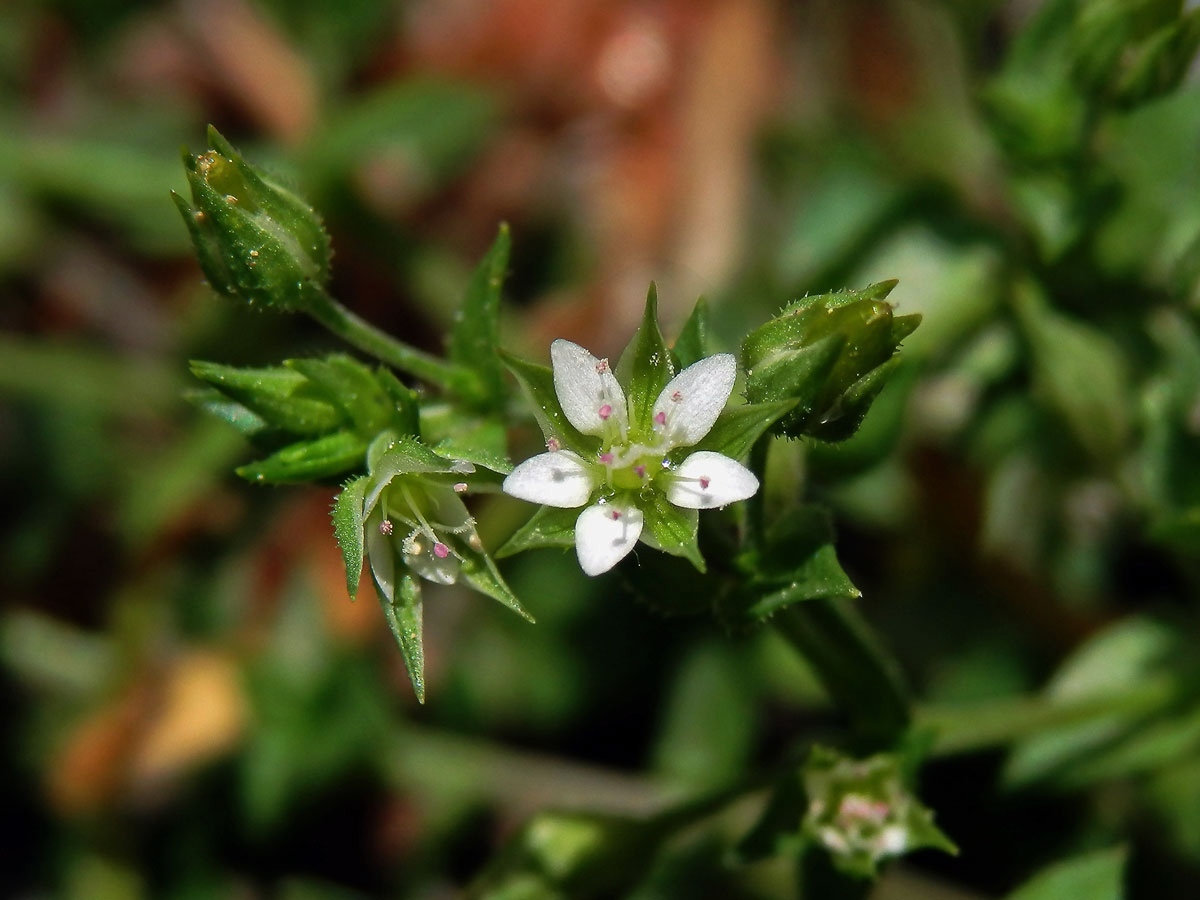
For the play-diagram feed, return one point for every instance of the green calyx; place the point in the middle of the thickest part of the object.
(255, 240)
(830, 354)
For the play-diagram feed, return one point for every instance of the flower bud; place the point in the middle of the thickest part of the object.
(863, 813)
(255, 239)
(832, 353)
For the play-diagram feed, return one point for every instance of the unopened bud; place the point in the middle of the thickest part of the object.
(255, 239)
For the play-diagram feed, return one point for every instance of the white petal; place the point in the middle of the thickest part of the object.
(559, 478)
(706, 480)
(692, 400)
(589, 393)
(602, 541)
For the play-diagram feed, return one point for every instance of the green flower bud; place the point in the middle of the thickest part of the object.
(255, 239)
(831, 353)
(863, 813)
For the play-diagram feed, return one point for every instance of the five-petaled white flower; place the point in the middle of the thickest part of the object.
(632, 464)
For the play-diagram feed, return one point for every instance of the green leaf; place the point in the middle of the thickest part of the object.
(476, 332)
(777, 831)
(1097, 876)
(323, 457)
(404, 618)
(538, 382)
(672, 529)
(738, 427)
(1079, 372)
(348, 521)
(281, 397)
(350, 386)
(466, 448)
(217, 405)
(644, 369)
(692, 344)
(480, 572)
(548, 527)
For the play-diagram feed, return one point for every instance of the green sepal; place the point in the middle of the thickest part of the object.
(404, 616)
(352, 387)
(798, 374)
(548, 527)
(738, 427)
(672, 529)
(692, 344)
(479, 571)
(348, 518)
(281, 397)
(841, 421)
(538, 383)
(644, 369)
(1160, 63)
(323, 457)
(476, 332)
(472, 452)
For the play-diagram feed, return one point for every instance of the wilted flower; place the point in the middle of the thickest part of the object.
(633, 468)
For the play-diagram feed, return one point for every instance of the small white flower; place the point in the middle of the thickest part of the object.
(625, 474)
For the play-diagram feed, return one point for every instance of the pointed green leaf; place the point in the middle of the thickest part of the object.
(692, 343)
(1099, 875)
(672, 529)
(348, 529)
(480, 572)
(738, 427)
(476, 333)
(350, 386)
(538, 382)
(548, 527)
(644, 369)
(281, 397)
(404, 618)
(323, 457)
(216, 404)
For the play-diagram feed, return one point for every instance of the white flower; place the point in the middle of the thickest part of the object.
(632, 464)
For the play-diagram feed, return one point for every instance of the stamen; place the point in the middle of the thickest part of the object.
(615, 514)
(606, 458)
(705, 481)
(385, 527)
(460, 488)
(676, 397)
(605, 411)
(440, 550)
(639, 471)
(553, 445)
(660, 418)
(602, 367)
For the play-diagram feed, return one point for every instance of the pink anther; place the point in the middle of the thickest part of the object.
(605, 411)
(705, 481)
(660, 418)
(440, 550)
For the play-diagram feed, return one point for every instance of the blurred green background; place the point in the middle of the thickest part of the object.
(194, 708)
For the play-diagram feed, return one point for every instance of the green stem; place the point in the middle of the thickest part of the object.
(980, 726)
(859, 674)
(366, 337)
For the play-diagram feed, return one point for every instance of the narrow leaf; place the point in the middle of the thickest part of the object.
(348, 529)
(476, 333)
(281, 397)
(1097, 876)
(350, 386)
(324, 457)
(548, 527)
(480, 572)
